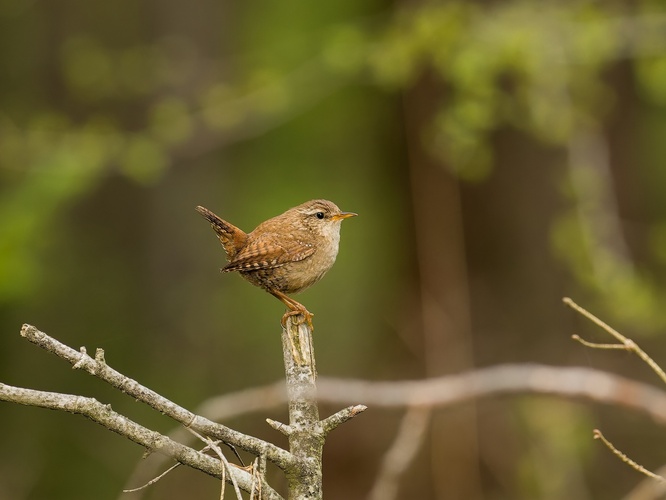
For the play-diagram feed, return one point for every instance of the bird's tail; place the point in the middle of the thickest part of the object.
(220, 226)
(231, 237)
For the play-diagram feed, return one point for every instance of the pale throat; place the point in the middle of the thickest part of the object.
(331, 233)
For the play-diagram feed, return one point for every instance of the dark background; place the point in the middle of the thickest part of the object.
(501, 155)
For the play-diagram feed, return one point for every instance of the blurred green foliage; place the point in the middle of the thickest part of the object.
(135, 108)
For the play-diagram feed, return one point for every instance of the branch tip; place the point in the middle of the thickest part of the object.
(358, 409)
(99, 355)
(82, 359)
(624, 343)
(631, 463)
(27, 330)
(341, 417)
(280, 427)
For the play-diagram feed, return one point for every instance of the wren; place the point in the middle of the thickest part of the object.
(286, 254)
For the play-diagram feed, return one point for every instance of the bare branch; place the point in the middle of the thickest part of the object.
(402, 452)
(594, 319)
(163, 474)
(625, 343)
(305, 431)
(306, 439)
(99, 368)
(105, 416)
(450, 390)
(625, 458)
(628, 345)
(330, 423)
(443, 391)
(279, 426)
(585, 383)
(226, 466)
(597, 345)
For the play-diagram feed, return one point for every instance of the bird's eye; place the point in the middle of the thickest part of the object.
(320, 215)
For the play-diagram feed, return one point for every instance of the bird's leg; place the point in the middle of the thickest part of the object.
(295, 309)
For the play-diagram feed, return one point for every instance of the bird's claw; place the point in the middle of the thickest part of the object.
(302, 316)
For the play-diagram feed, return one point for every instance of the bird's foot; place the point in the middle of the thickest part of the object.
(295, 309)
(300, 316)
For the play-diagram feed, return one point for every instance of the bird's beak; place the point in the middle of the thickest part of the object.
(343, 215)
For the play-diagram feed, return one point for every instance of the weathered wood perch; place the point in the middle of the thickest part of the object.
(305, 431)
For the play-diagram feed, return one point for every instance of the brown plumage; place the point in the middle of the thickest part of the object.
(286, 254)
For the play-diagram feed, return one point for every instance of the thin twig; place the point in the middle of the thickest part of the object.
(625, 458)
(339, 418)
(402, 452)
(625, 343)
(256, 480)
(149, 439)
(163, 474)
(568, 301)
(224, 483)
(213, 446)
(100, 369)
(280, 427)
(597, 345)
(157, 478)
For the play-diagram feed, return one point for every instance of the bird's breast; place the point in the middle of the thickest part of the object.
(303, 274)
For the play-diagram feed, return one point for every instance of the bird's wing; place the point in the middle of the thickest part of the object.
(267, 253)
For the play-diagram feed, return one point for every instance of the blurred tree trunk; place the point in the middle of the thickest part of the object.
(444, 297)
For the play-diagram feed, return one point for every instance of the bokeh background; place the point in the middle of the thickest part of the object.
(501, 155)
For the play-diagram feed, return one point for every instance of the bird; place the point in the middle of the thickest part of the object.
(286, 254)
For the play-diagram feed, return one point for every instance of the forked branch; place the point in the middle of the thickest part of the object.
(151, 440)
(97, 366)
(302, 464)
(624, 344)
(305, 431)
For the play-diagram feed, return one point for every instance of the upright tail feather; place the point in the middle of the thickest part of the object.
(219, 225)
(231, 237)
